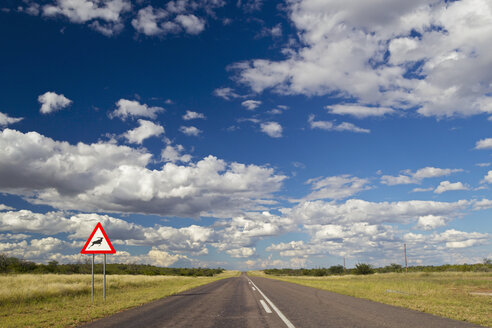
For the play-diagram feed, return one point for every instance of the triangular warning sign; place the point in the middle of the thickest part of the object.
(98, 242)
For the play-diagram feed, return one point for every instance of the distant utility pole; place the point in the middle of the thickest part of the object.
(405, 250)
(344, 268)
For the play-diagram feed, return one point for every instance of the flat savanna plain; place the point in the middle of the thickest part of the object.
(50, 300)
(448, 294)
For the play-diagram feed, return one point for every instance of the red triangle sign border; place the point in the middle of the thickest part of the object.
(84, 249)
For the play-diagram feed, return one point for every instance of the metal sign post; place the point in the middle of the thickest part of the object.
(104, 272)
(92, 293)
(98, 243)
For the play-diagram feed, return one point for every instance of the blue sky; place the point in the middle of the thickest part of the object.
(247, 134)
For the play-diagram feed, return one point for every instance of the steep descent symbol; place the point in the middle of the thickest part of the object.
(98, 242)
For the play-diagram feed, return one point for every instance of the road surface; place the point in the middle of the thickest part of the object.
(254, 302)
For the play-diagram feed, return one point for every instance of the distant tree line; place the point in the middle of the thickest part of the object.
(16, 265)
(364, 268)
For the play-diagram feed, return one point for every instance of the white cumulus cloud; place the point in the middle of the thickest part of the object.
(5, 119)
(409, 177)
(103, 16)
(389, 54)
(174, 154)
(251, 104)
(190, 115)
(190, 23)
(111, 178)
(146, 129)
(132, 108)
(336, 187)
(240, 233)
(80, 11)
(359, 111)
(175, 17)
(147, 21)
(163, 258)
(422, 189)
(357, 210)
(190, 130)
(4, 207)
(488, 177)
(52, 102)
(330, 126)
(430, 222)
(272, 129)
(449, 186)
(484, 144)
(226, 93)
(241, 252)
(450, 238)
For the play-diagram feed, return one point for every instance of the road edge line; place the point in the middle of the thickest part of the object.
(279, 313)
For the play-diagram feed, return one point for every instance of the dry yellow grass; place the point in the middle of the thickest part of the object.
(444, 294)
(49, 300)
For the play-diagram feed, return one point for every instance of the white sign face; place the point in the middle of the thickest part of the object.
(98, 242)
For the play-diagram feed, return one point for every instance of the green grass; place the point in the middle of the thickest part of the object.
(49, 300)
(443, 294)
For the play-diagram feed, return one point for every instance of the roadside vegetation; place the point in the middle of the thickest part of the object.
(15, 265)
(459, 295)
(364, 268)
(55, 300)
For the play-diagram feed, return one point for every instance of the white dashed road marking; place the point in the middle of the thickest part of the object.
(265, 306)
(280, 314)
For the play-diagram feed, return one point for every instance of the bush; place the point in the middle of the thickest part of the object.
(4, 264)
(393, 267)
(363, 268)
(15, 265)
(337, 269)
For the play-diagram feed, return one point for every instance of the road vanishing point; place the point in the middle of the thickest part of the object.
(255, 302)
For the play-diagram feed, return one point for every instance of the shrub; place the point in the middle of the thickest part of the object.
(363, 268)
(15, 265)
(393, 267)
(336, 269)
(4, 264)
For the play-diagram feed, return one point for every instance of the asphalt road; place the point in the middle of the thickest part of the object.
(253, 302)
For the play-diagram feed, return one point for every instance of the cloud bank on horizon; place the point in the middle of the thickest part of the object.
(340, 130)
